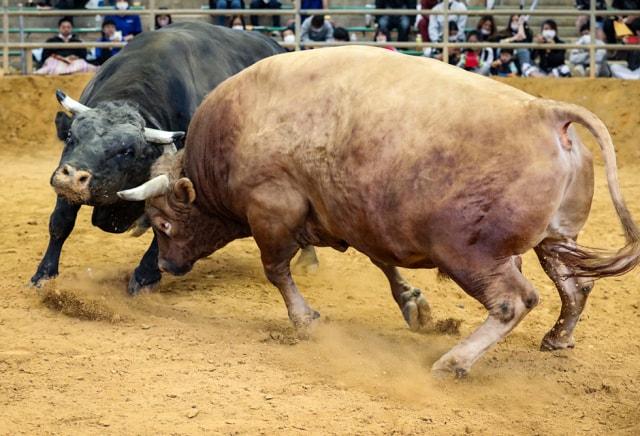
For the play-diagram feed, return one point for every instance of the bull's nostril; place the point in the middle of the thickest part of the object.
(83, 179)
(65, 171)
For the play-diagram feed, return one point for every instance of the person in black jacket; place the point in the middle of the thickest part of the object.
(550, 62)
(402, 23)
(65, 29)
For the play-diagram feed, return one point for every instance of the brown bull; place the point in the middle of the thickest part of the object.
(328, 147)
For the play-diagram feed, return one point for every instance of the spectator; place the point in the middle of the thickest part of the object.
(550, 61)
(236, 22)
(486, 28)
(477, 61)
(289, 36)
(616, 27)
(109, 34)
(313, 4)
(517, 31)
(632, 70)
(224, 4)
(579, 58)
(163, 20)
(422, 21)
(265, 4)
(381, 37)
(505, 65)
(315, 28)
(436, 23)
(129, 25)
(402, 23)
(64, 60)
(584, 5)
(341, 34)
(453, 37)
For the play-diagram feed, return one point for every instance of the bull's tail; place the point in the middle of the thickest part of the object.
(583, 261)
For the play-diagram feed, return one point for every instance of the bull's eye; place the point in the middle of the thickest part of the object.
(126, 152)
(165, 226)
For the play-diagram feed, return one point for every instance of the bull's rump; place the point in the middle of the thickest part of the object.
(394, 153)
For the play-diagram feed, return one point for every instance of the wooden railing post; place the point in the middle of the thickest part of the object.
(592, 39)
(5, 36)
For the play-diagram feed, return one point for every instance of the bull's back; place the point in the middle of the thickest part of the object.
(386, 147)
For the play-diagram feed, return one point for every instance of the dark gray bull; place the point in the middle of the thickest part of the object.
(137, 104)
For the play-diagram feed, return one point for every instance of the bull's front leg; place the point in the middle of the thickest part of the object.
(147, 274)
(61, 223)
(414, 306)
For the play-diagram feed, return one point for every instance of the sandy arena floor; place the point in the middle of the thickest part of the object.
(213, 351)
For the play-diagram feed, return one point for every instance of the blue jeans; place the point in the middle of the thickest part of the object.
(400, 22)
(227, 4)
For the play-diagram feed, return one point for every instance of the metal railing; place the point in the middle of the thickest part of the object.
(151, 11)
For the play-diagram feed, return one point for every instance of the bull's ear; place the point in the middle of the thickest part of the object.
(63, 124)
(184, 191)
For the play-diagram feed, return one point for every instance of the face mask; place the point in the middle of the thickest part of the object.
(486, 32)
(289, 39)
(549, 34)
(515, 26)
(163, 22)
(238, 27)
(453, 38)
(122, 5)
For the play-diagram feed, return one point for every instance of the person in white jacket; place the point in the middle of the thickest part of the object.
(579, 57)
(436, 22)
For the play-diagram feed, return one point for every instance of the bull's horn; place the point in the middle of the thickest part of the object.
(157, 186)
(70, 104)
(161, 136)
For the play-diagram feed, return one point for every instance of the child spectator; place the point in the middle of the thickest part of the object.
(265, 4)
(436, 22)
(477, 61)
(315, 28)
(505, 65)
(341, 34)
(579, 57)
(386, 23)
(129, 25)
(224, 4)
(109, 34)
(163, 20)
(64, 60)
(289, 36)
(380, 36)
(486, 28)
(551, 60)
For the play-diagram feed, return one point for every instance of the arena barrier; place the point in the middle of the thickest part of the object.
(151, 11)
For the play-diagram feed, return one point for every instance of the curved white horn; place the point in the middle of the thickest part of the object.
(161, 136)
(157, 186)
(70, 104)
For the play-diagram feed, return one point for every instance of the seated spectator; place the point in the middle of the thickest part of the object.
(109, 34)
(289, 36)
(579, 57)
(316, 28)
(616, 28)
(477, 61)
(584, 5)
(486, 28)
(436, 53)
(163, 20)
(341, 34)
(436, 23)
(422, 21)
(402, 23)
(265, 4)
(550, 62)
(505, 65)
(517, 31)
(129, 25)
(381, 37)
(224, 4)
(236, 22)
(632, 70)
(64, 60)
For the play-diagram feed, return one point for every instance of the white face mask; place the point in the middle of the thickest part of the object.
(237, 27)
(485, 31)
(453, 38)
(122, 5)
(515, 26)
(289, 39)
(549, 34)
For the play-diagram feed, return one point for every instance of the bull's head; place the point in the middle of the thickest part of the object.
(107, 149)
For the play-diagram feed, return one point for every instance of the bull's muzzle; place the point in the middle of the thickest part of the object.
(71, 183)
(172, 268)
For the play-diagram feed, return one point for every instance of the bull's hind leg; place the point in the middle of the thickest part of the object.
(573, 294)
(414, 306)
(274, 216)
(508, 297)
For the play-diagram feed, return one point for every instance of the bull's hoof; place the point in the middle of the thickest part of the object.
(415, 309)
(303, 323)
(135, 288)
(39, 278)
(447, 367)
(552, 342)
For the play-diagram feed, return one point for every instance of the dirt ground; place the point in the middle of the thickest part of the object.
(214, 352)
